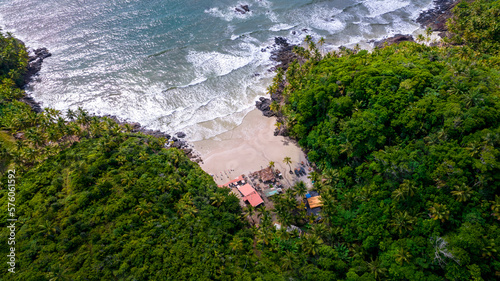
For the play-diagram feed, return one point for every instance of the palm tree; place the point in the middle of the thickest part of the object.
(250, 211)
(48, 228)
(420, 38)
(402, 222)
(428, 33)
(462, 192)
(308, 39)
(357, 48)
(495, 207)
(402, 256)
(288, 261)
(287, 160)
(330, 176)
(321, 41)
(300, 189)
(376, 268)
(319, 230)
(237, 244)
(58, 273)
(439, 212)
(143, 208)
(271, 164)
(398, 194)
(217, 199)
(313, 176)
(311, 244)
(70, 114)
(274, 106)
(408, 187)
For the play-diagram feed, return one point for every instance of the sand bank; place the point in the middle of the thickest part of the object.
(248, 148)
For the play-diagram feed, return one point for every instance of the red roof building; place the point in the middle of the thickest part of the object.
(240, 178)
(250, 195)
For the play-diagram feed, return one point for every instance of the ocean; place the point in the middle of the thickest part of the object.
(195, 66)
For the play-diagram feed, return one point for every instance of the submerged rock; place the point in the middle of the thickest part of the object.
(242, 9)
(180, 135)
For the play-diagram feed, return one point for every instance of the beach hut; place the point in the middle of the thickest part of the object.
(240, 178)
(250, 195)
(314, 202)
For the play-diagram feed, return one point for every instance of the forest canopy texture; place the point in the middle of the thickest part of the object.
(406, 143)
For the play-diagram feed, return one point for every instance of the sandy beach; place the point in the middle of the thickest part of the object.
(248, 148)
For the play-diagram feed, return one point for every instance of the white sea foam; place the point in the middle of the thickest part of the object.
(214, 63)
(218, 76)
(281, 26)
(380, 7)
(229, 13)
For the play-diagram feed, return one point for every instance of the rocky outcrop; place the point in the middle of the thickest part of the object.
(35, 61)
(264, 105)
(436, 17)
(242, 9)
(396, 39)
(283, 53)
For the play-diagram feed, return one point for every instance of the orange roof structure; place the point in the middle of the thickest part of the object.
(254, 199)
(240, 178)
(246, 189)
(315, 202)
(250, 195)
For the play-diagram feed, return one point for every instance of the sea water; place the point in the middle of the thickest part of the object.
(182, 65)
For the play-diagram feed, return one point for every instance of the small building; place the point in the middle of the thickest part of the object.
(314, 202)
(236, 180)
(266, 175)
(250, 195)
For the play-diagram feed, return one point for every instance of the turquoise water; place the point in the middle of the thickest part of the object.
(191, 65)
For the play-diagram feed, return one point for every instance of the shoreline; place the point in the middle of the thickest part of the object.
(248, 148)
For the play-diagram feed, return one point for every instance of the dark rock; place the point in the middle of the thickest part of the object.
(35, 63)
(35, 106)
(268, 113)
(177, 144)
(187, 150)
(174, 139)
(180, 135)
(42, 53)
(436, 17)
(264, 105)
(242, 9)
(280, 41)
(396, 39)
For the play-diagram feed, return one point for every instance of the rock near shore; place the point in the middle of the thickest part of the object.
(436, 17)
(264, 105)
(35, 61)
(396, 39)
